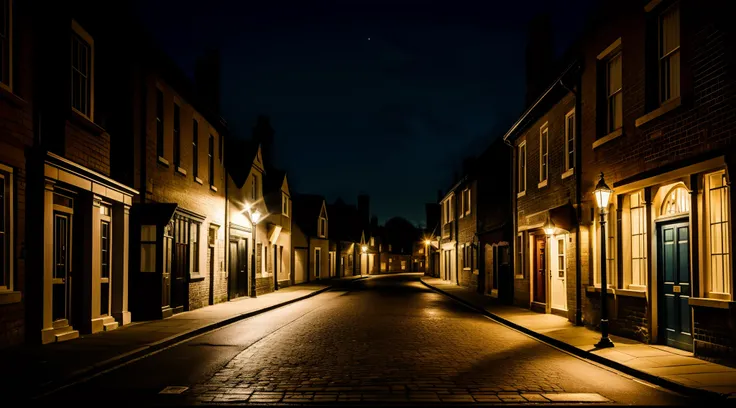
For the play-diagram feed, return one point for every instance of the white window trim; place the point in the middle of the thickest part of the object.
(467, 212)
(10, 232)
(88, 38)
(605, 56)
(660, 56)
(9, 85)
(542, 181)
(284, 204)
(643, 205)
(320, 231)
(521, 249)
(569, 169)
(521, 193)
(707, 240)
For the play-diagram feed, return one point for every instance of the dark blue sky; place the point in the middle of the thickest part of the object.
(392, 116)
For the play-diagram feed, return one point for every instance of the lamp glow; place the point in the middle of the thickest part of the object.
(426, 242)
(549, 228)
(255, 216)
(364, 248)
(602, 193)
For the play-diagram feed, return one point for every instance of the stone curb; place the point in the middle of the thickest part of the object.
(663, 382)
(51, 387)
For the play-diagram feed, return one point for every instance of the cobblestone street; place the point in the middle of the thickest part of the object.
(385, 339)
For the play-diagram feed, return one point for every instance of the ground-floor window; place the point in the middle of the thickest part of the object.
(610, 228)
(637, 211)
(718, 231)
(6, 228)
(519, 261)
(105, 246)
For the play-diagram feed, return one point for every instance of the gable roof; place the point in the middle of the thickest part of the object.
(307, 209)
(273, 181)
(240, 158)
(345, 225)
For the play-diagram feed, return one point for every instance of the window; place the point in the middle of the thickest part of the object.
(212, 235)
(322, 227)
(177, 136)
(6, 228)
(610, 250)
(211, 160)
(570, 140)
(638, 239)
(676, 202)
(148, 248)
(561, 264)
(466, 202)
(669, 53)
(521, 159)
(6, 43)
(222, 149)
(519, 261)
(373, 242)
(160, 122)
(719, 236)
(420, 251)
(614, 94)
(82, 55)
(194, 247)
(105, 237)
(543, 153)
(284, 204)
(468, 256)
(195, 148)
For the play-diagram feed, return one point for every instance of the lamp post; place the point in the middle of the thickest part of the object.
(427, 242)
(602, 194)
(255, 216)
(364, 258)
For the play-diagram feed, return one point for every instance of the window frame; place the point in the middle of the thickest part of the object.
(611, 95)
(160, 123)
(322, 228)
(195, 231)
(176, 134)
(644, 220)
(8, 37)
(521, 169)
(149, 243)
(84, 36)
(543, 154)
(195, 148)
(284, 204)
(211, 161)
(726, 294)
(519, 255)
(8, 245)
(568, 150)
(668, 56)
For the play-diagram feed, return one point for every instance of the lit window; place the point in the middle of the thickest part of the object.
(610, 251)
(669, 53)
(285, 204)
(194, 247)
(105, 237)
(519, 266)
(676, 202)
(719, 242)
(614, 94)
(638, 239)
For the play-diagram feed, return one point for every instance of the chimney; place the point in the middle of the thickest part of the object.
(540, 59)
(207, 79)
(264, 134)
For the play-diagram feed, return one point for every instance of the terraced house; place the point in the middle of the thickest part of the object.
(658, 97)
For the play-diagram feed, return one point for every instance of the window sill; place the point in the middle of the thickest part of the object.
(84, 121)
(181, 171)
(713, 303)
(213, 188)
(568, 173)
(631, 293)
(7, 94)
(196, 278)
(163, 161)
(198, 180)
(522, 194)
(607, 138)
(597, 289)
(542, 184)
(9, 297)
(666, 107)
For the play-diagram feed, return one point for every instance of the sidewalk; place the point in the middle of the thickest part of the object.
(665, 366)
(37, 369)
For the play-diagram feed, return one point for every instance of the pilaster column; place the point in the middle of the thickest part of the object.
(48, 256)
(92, 272)
(121, 240)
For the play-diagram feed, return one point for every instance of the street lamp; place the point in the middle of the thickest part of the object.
(602, 194)
(364, 249)
(549, 227)
(255, 216)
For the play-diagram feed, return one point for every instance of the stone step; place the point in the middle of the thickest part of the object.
(110, 326)
(67, 335)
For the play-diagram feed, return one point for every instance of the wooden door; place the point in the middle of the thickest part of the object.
(540, 270)
(674, 277)
(242, 266)
(232, 270)
(166, 274)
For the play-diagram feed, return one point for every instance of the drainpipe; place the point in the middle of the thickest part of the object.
(578, 201)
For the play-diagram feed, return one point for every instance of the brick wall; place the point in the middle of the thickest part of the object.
(466, 229)
(167, 185)
(715, 335)
(91, 150)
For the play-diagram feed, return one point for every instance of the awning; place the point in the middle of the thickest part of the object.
(153, 213)
(564, 217)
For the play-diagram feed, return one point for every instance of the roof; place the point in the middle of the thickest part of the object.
(239, 160)
(345, 221)
(273, 180)
(307, 208)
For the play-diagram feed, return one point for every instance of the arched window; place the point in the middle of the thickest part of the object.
(677, 201)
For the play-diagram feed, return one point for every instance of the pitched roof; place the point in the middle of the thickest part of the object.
(239, 159)
(273, 180)
(307, 208)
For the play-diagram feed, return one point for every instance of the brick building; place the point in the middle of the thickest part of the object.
(658, 103)
(277, 197)
(76, 238)
(346, 237)
(458, 239)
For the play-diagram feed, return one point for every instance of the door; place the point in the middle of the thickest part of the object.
(180, 265)
(62, 280)
(540, 267)
(233, 270)
(674, 277)
(558, 272)
(166, 274)
(317, 262)
(242, 266)
(300, 266)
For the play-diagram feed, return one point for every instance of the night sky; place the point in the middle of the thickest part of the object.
(376, 97)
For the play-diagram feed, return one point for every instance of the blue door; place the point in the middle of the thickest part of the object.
(674, 285)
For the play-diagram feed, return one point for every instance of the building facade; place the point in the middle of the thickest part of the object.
(278, 225)
(658, 100)
(310, 239)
